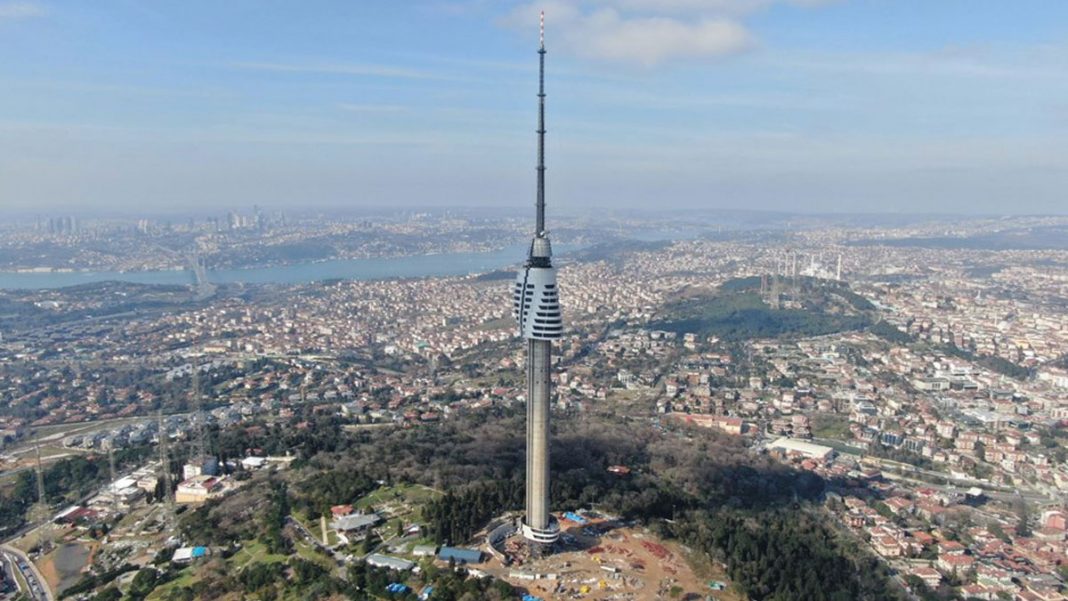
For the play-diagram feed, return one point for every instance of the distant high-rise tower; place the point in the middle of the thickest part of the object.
(537, 311)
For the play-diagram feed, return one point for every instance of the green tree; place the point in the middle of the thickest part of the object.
(143, 583)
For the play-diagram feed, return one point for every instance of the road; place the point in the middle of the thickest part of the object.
(1030, 496)
(39, 590)
(8, 567)
(310, 538)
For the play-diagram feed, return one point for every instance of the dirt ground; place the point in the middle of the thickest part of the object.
(48, 569)
(601, 562)
(71, 567)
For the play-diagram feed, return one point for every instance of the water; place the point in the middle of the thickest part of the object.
(450, 264)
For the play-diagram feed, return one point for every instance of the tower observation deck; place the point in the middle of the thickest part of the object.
(536, 307)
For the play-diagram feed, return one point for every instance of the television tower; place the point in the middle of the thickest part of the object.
(537, 311)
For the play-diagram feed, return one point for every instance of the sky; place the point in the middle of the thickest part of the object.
(901, 106)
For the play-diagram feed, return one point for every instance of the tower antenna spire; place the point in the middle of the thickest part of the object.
(541, 30)
(539, 230)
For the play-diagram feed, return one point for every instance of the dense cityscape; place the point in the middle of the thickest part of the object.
(926, 389)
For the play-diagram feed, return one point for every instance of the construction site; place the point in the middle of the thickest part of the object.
(600, 558)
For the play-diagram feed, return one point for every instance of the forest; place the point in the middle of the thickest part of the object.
(785, 554)
(64, 481)
(759, 519)
(762, 520)
(744, 315)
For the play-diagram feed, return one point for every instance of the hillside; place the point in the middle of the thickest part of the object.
(737, 311)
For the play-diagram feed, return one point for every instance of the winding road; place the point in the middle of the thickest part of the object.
(39, 590)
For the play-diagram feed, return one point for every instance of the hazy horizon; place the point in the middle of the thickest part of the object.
(799, 106)
(29, 216)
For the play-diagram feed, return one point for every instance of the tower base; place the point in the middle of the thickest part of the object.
(542, 536)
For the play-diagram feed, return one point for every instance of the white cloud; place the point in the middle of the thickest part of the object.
(647, 32)
(608, 34)
(21, 10)
(651, 40)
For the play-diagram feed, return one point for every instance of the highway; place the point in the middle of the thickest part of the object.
(1001, 493)
(39, 590)
(8, 568)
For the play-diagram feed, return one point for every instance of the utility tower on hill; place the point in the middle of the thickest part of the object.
(41, 513)
(164, 460)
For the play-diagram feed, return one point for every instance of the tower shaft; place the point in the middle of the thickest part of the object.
(539, 358)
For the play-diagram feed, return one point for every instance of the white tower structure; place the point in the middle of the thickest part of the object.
(537, 311)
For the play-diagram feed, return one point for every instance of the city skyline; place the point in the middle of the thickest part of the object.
(805, 106)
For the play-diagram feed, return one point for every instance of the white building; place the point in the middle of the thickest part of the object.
(807, 449)
(385, 561)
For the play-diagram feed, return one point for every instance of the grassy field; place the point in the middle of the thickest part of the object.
(401, 500)
(398, 505)
(834, 427)
(254, 552)
(315, 528)
(186, 578)
(307, 552)
(22, 584)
